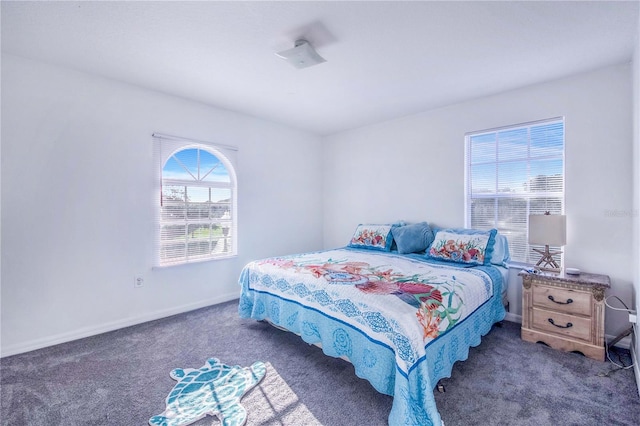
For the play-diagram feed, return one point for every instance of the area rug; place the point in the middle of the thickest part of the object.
(215, 389)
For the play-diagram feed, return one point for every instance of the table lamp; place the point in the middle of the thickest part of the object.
(548, 230)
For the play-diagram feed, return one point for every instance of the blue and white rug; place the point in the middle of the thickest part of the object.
(215, 389)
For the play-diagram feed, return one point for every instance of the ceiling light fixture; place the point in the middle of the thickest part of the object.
(302, 55)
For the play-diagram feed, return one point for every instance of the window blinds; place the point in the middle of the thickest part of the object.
(513, 172)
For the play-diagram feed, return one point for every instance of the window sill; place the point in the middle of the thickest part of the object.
(517, 265)
(196, 261)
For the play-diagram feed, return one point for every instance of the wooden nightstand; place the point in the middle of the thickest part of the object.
(565, 311)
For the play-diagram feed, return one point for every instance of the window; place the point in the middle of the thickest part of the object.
(510, 173)
(197, 212)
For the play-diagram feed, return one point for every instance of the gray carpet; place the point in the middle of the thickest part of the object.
(122, 378)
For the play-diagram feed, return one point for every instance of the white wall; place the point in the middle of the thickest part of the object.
(636, 190)
(413, 169)
(78, 202)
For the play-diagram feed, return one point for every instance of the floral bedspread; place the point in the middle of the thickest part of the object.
(402, 321)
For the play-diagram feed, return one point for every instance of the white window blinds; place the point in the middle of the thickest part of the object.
(197, 218)
(513, 172)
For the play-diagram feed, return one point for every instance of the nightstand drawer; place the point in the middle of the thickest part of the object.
(562, 300)
(562, 324)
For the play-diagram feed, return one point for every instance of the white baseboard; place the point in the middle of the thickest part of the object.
(513, 317)
(624, 343)
(114, 325)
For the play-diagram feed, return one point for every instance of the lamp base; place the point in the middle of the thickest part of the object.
(547, 261)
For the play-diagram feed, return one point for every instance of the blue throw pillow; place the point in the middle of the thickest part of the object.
(501, 253)
(412, 238)
(470, 246)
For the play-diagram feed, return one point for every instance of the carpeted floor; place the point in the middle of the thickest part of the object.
(122, 378)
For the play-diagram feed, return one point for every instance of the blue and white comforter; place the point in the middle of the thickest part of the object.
(401, 320)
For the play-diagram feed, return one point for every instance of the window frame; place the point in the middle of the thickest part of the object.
(530, 257)
(165, 148)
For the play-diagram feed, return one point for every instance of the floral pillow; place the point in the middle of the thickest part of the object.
(467, 246)
(372, 237)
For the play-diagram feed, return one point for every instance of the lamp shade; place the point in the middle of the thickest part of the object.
(548, 229)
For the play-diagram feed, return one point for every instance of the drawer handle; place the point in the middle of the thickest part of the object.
(560, 303)
(569, 325)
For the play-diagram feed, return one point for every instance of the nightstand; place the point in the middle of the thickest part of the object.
(565, 311)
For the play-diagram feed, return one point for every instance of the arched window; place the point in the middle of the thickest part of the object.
(197, 204)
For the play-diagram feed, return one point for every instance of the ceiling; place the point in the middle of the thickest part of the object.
(384, 59)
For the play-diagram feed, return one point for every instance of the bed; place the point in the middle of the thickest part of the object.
(401, 317)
